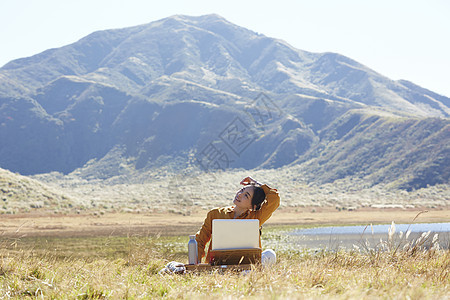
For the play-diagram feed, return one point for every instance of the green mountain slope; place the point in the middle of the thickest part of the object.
(408, 153)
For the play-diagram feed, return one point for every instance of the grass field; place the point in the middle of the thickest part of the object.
(68, 237)
(91, 224)
(126, 267)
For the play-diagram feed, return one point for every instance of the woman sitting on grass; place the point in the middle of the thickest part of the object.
(248, 204)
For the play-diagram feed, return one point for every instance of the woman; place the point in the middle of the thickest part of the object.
(248, 204)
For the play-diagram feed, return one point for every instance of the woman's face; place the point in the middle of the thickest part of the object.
(244, 196)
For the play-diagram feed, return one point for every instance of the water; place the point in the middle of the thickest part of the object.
(345, 237)
(376, 229)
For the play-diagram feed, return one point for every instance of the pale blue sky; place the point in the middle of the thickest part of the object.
(402, 39)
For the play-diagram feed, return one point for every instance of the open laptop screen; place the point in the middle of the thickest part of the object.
(235, 234)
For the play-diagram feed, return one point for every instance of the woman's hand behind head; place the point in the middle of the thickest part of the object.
(248, 180)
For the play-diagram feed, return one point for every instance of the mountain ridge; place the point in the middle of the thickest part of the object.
(172, 86)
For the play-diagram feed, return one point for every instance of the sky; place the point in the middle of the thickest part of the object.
(401, 39)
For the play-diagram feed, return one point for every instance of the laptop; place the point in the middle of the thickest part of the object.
(230, 234)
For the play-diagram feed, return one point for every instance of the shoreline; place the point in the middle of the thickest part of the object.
(39, 224)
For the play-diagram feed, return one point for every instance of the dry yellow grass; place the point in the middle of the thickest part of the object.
(39, 259)
(49, 224)
(127, 268)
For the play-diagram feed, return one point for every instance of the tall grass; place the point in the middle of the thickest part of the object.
(127, 268)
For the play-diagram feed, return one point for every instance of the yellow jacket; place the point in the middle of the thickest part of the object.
(203, 236)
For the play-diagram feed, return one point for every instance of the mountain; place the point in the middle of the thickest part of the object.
(202, 91)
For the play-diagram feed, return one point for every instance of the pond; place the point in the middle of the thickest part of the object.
(345, 237)
(368, 230)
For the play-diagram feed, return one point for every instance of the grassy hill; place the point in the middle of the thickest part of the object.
(23, 194)
(163, 191)
(407, 153)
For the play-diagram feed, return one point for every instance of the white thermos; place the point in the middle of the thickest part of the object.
(193, 250)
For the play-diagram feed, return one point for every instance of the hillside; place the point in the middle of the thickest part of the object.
(408, 153)
(22, 194)
(186, 92)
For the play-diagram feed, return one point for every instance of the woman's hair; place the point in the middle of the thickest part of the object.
(258, 197)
